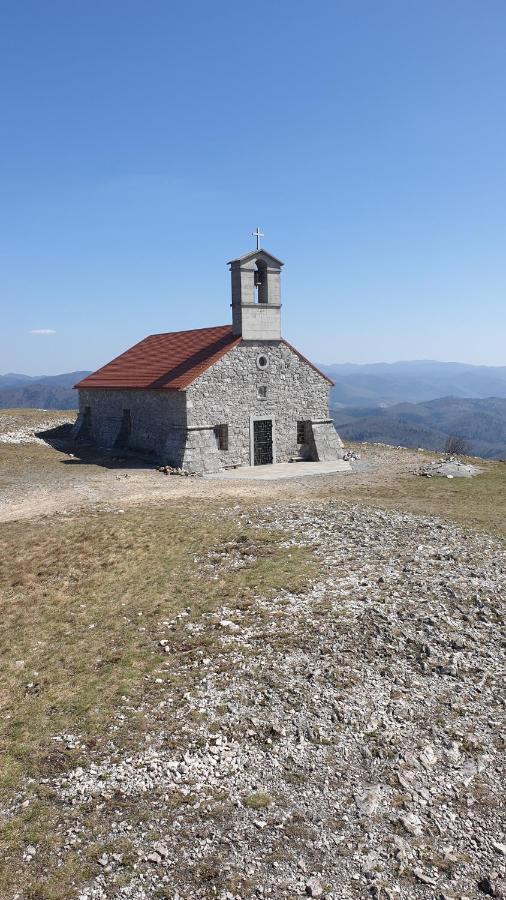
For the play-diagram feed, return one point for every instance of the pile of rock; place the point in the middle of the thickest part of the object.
(29, 434)
(350, 455)
(449, 467)
(171, 470)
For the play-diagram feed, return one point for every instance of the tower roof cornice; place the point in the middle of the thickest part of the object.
(256, 254)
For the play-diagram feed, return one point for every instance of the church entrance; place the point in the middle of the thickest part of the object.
(262, 442)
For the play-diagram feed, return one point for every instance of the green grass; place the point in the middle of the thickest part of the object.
(478, 502)
(259, 800)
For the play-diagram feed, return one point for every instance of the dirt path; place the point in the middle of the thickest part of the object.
(37, 480)
(47, 482)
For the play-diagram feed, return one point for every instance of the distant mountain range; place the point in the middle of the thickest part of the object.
(39, 391)
(482, 423)
(384, 384)
(420, 403)
(414, 404)
(12, 380)
(374, 384)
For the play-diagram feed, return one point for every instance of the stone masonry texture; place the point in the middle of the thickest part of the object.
(180, 427)
(229, 393)
(157, 417)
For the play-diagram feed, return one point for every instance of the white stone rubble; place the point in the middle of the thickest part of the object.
(341, 742)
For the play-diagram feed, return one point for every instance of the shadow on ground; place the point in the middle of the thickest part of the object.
(60, 439)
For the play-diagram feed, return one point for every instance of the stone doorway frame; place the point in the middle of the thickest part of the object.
(263, 418)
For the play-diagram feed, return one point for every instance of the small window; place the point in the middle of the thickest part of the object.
(262, 361)
(301, 432)
(262, 392)
(221, 432)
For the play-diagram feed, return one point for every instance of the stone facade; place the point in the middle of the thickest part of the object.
(157, 420)
(229, 393)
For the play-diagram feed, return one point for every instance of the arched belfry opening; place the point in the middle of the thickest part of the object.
(261, 282)
(256, 296)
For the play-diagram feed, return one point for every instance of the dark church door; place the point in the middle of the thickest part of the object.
(262, 442)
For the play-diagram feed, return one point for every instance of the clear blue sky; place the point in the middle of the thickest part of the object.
(142, 142)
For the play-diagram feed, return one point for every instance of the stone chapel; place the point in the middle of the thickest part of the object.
(213, 398)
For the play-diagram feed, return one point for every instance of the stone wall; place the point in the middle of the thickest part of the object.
(157, 421)
(324, 441)
(228, 393)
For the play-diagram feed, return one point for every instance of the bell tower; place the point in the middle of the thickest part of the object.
(256, 295)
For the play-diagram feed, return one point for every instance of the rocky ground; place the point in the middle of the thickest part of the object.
(41, 473)
(46, 475)
(345, 742)
(16, 428)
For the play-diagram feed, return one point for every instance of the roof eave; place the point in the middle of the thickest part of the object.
(81, 386)
(304, 358)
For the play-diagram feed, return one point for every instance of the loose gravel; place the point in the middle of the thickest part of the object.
(344, 742)
(12, 433)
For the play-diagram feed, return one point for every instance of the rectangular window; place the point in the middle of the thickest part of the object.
(222, 436)
(301, 432)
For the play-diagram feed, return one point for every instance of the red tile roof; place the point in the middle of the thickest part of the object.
(164, 361)
(169, 361)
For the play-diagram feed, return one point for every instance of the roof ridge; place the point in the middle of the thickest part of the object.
(187, 330)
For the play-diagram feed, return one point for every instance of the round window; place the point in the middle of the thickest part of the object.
(262, 361)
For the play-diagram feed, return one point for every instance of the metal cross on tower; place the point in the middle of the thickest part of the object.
(258, 234)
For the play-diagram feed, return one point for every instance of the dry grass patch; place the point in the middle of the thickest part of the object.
(81, 605)
(18, 459)
(83, 602)
(478, 502)
(259, 800)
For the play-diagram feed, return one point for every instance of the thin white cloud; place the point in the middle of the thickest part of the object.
(42, 331)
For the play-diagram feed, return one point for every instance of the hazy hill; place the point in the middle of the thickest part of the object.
(416, 381)
(397, 403)
(481, 422)
(39, 392)
(14, 380)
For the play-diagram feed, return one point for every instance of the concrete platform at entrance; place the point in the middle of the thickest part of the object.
(277, 471)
